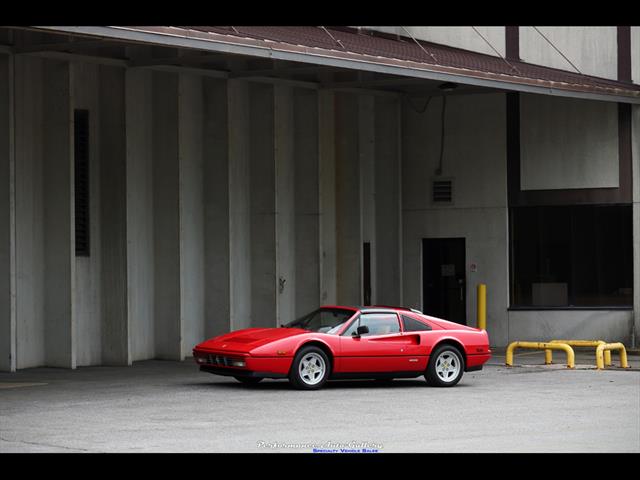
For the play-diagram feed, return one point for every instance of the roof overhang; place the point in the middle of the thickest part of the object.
(278, 50)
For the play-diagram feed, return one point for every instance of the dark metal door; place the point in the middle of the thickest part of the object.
(444, 278)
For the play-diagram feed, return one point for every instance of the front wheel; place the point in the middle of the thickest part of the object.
(310, 369)
(445, 367)
(248, 380)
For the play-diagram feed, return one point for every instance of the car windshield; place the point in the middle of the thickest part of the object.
(323, 320)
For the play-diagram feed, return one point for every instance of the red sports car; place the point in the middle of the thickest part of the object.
(337, 342)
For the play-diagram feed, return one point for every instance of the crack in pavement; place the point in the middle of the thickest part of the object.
(44, 445)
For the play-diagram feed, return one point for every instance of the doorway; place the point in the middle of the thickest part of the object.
(444, 280)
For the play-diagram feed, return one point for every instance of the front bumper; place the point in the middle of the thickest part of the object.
(239, 372)
(221, 363)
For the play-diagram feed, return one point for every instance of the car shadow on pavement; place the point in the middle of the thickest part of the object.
(336, 384)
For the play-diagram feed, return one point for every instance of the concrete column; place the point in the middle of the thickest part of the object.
(190, 142)
(327, 196)
(166, 220)
(367, 150)
(348, 203)
(635, 139)
(285, 204)
(216, 207)
(58, 216)
(262, 202)
(140, 246)
(7, 219)
(29, 243)
(113, 213)
(239, 206)
(306, 201)
(87, 268)
(388, 205)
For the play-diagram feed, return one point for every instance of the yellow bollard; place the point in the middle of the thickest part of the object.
(482, 306)
(611, 346)
(548, 354)
(571, 358)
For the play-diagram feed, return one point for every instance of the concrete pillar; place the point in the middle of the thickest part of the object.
(327, 196)
(388, 204)
(635, 140)
(216, 207)
(262, 203)
(7, 219)
(306, 201)
(113, 214)
(140, 245)
(239, 207)
(190, 138)
(367, 149)
(87, 268)
(285, 232)
(348, 201)
(29, 243)
(166, 221)
(58, 216)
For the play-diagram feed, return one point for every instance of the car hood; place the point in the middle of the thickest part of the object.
(249, 338)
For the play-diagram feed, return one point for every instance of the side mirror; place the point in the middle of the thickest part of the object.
(362, 330)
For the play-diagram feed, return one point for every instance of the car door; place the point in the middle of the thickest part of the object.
(380, 350)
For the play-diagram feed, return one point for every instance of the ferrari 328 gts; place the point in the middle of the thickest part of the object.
(339, 342)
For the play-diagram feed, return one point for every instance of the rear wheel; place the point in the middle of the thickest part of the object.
(310, 368)
(445, 367)
(248, 380)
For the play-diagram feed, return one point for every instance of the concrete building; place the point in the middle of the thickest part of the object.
(161, 185)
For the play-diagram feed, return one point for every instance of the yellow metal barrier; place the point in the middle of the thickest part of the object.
(548, 354)
(482, 306)
(608, 347)
(571, 358)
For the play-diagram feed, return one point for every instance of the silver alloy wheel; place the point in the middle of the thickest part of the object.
(312, 368)
(447, 366)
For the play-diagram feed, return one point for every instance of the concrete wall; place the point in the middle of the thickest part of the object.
(388, 202)
(306, 201)
(88, 297)
(475, 135)
(239, 206)
(348, 201)
(30, 325)
(593, 50)
(190, 141)
(216, 208)
(206, 193)
(262, 204)
(166, 220)
(568, 143)
(635, 54)
(456, 36)
(541, 325)
(7, 219)
(140, 248)
(635, 143)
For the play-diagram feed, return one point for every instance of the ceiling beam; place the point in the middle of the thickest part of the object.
(280, 71)
(61, 46)
(186, 59)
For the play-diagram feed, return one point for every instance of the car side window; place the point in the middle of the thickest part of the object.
(378, 323)
(413, 325)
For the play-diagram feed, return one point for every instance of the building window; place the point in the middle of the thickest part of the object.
(571, 256)
(81, 181)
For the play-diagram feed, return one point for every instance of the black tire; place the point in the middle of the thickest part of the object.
(248, 380)
(322, 360)
(453, 357)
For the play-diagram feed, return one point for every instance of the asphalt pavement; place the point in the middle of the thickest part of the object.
(162, 406)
